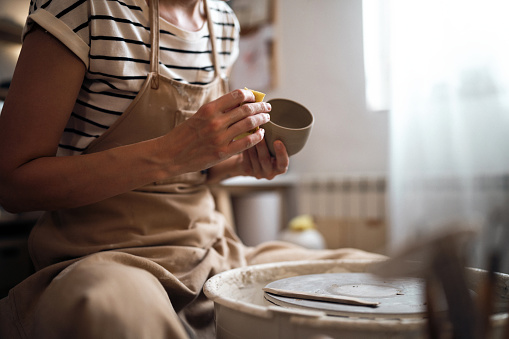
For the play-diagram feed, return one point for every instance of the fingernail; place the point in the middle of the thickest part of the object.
(268, 107)
(262, 131)
(266, 116)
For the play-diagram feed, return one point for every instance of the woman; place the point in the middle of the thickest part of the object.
(117, 118)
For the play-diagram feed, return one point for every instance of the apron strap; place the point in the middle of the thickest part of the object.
(154, 40)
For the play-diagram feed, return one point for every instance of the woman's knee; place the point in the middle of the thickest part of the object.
(101, 299)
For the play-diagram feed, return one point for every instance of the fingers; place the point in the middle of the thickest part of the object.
(262, 165)
(238, 112)
(234, 99)
(247, 110)
(282, 159)
(246, 142)
(264, 157)
(256, 169)
(247, 124)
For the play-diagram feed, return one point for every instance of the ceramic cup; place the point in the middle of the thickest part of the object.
(289, 122)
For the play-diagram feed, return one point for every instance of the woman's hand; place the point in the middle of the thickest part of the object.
(258, 163)
(255, 162)
(207, 137)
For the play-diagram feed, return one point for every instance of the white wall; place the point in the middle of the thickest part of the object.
(321, 65)
(15, 10)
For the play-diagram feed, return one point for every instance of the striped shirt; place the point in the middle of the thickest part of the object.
(112, 38)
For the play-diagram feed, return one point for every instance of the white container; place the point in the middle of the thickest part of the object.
(242, 312)
(257, 217)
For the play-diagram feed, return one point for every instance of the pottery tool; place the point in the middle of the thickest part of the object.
(321, 297)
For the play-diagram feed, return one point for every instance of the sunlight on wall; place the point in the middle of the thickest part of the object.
(376, 37)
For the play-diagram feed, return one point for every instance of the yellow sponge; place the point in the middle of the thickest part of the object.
(259, 96)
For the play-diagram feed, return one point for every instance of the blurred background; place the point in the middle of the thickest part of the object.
(411, 130)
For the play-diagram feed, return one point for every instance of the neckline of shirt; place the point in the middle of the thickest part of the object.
(191, 36)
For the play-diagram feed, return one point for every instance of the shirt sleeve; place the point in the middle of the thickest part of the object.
(66, 20)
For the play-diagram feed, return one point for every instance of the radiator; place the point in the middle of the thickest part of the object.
(348, 211)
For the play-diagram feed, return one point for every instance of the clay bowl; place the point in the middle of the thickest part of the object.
(289, 122)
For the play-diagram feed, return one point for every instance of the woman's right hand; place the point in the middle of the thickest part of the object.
(207, 137)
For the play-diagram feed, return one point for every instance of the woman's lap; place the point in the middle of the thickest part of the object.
(97, 298)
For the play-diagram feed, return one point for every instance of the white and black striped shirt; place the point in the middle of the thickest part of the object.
(112, 38)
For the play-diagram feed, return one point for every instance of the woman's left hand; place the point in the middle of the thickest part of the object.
(257, 161)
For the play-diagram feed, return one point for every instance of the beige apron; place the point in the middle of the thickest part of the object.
(179, 211)
(153, 247)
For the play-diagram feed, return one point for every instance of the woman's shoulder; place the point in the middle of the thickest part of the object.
(223, 11)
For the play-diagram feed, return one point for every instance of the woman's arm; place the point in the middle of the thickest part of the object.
(41, 97)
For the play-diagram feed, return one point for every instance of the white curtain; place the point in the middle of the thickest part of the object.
(449, 119)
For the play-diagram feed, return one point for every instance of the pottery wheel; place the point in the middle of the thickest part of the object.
(397, 298)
